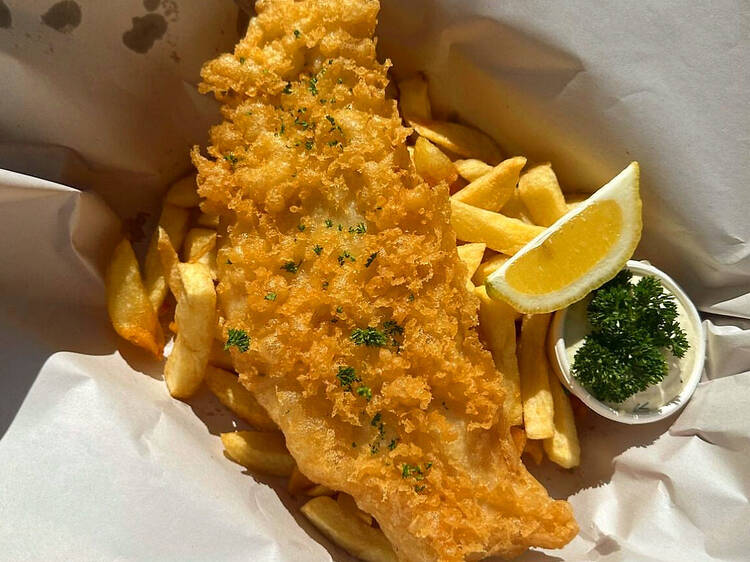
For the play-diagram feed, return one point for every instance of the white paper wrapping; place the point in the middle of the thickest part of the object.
(98, 463)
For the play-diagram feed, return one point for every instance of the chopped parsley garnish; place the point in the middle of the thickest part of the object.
(391, 328)
(392, 444)
(340, 80)
(371, 259)
(287, 89)
(271, 296)
(313, 84)
(317, 249)
(365, 391)
(375, 419)
(339, 309)
(229, 262)
(415, 471)
(329, 223)
(419, 488)
(333, 143)
(297, 33)
(308, 144)
(242, 60)
(360, 228)
(231, 158)
(340, 227)
(301, 123)
(324, 285)
(237, 338)
(411, 297)
(301, 227)
(332, 121)
(347, 376)
(370, 337)
(291, 266)
(631, 326)
(345, 255)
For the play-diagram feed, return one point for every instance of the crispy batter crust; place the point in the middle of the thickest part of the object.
(310, 142)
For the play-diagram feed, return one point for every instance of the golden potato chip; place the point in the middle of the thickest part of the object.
(130, 309)
(432, 164)
(174, 221)
(261, 451)
(240, 401)
(492, 190)
(460, 139)
(471, 169)
(499, 232)
(183, 193)
(542, 196)
(413, 99)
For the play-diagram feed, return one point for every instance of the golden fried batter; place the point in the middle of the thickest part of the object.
(341, 266)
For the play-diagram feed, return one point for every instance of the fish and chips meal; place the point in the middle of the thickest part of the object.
(370, 288)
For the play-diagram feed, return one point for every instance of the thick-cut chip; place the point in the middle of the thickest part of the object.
(519, 438)
(298, 482)
(174, 221)
(319, 490)
(516, 209)
(533, 448)
(497, 321)
(432, 164)
(183, 193)
(413, 99)
(128, 304)
(237, 398)
(348, 504)
(471, 254)
(471, 169)
(460, 139)
(220, 357)
(541, 193)
(195, 316)
(348, 531)
(499, 232)
(538, 406)
(487, 267)
(563, 447)
(261, 451)
(198, 243)
(492, 190)
(208, 221)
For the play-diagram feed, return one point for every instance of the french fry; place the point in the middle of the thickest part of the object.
(348, 504)
(488, 267)
(538, 406)
(198, 242)
(261, 451)
(563, 447)
(471, 169)
(518, 435)
(500, 233)
(492, 190)
(220, 357)
(460, 139)
(497, 320)
(471, 254)
(208, 221)
(540, 192)
(414, 100)
(174, 221)
(533, 448)
(195, 316)
(183, 193)
(130, 310)
(348, 531)
(227, 388)
(516, 209)
(432, 164)
(298, 482)
(319, 490)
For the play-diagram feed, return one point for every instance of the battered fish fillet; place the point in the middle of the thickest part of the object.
(340, 264)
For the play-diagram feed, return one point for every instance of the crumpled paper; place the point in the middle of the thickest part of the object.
(98, 463)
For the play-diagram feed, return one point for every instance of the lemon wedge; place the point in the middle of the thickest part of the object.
(581, 251)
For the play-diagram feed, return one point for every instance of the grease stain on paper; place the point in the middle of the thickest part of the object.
(145, 32)
(6, 21)
(150, 5)
(63, 16)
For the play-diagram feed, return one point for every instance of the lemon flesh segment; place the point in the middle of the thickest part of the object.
(582, 250)
(530, 274)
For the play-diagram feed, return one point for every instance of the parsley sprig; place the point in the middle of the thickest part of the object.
(631, 325)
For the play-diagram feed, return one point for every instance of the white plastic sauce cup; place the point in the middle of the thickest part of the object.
(557, 350)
